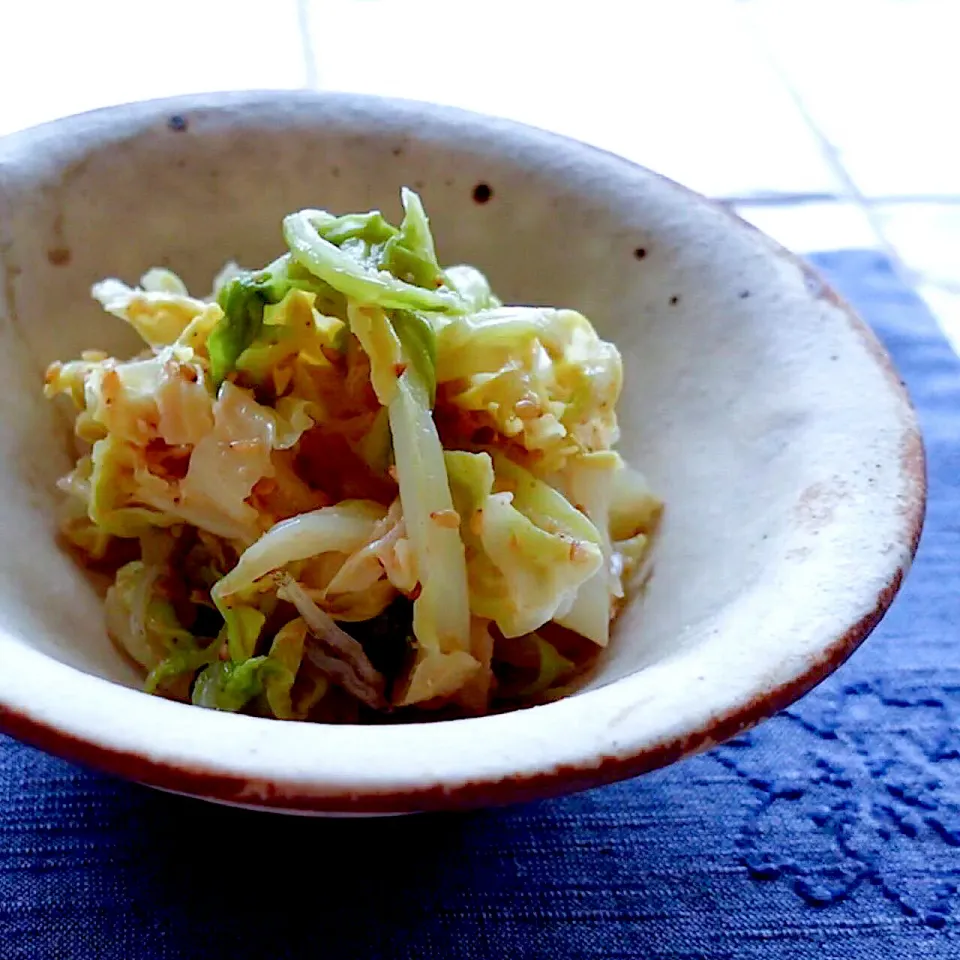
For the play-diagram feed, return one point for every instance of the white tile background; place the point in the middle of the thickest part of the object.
(67, 56)
(829, 123)
(679, 85)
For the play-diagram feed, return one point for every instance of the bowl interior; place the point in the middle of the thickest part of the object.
(765, 417)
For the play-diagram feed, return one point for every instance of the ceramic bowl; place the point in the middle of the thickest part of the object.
(757, 403)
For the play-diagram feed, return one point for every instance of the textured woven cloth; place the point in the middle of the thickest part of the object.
(831, 831)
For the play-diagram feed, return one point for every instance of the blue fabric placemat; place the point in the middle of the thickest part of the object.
(831, 831)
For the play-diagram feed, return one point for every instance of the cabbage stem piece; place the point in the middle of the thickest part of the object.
(381, 345)
(590, 480)
(441, 612)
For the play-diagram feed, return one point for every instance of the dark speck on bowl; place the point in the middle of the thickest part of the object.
(177, 123)
(59, 256)
(482, 192)
(640, 253)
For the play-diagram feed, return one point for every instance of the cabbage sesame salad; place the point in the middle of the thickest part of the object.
(353, 485)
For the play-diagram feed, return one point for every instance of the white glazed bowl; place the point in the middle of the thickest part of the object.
(758, 405)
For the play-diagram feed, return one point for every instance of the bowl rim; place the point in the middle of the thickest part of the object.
(32, 710)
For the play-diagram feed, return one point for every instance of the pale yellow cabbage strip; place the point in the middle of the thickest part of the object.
(589, 484)
(339, 529)
(381, 345)
(159, 315)
(441, 613)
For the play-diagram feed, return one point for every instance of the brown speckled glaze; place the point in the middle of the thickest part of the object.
(760, 406)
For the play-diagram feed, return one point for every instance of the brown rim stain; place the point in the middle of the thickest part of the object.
(563, 779)
(59, 256)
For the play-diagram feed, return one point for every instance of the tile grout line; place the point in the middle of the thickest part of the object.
(851, 193)
(311, 74)
(913, 278)
(901, 199)
(768, 199)
(779, 199)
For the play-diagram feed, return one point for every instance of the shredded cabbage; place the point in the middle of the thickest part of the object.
(339, 529)
(539, 379)
(589, 482)
(159, 310)
(441, 613)
(531, 550)
(229, 685)
(138, 620)
(306, 232)
(286, 651)
(473, 287)
(353, 481)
